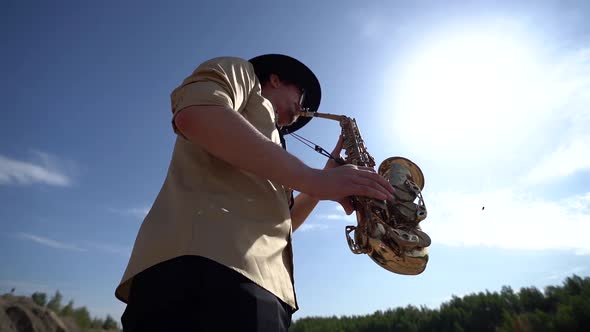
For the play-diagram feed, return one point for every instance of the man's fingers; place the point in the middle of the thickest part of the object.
(367, 168)
(378, 180)
(351, 180)
(347, 205)
(368, 187)
(337, 148)
(365, 187)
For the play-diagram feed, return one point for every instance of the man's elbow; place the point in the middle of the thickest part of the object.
(181, 123)
(194, 121)
(188, 119)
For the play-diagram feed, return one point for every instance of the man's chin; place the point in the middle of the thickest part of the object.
(294, 119)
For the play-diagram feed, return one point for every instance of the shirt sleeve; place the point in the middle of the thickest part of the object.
(225, 82)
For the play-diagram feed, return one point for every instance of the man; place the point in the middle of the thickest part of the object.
(214, 252)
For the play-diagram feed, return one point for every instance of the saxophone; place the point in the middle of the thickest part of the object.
(389, 233)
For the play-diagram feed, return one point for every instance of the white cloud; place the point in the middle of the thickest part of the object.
(339, 215)
(46, 171)
(306, 227)
(49, 242)
(579, 202)
(326, 220)
(99, 246)
(509, 219)
(567, 159)
(139, 213)
(110, 248)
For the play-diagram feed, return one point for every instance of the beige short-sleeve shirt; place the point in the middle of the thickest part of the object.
(210, 208)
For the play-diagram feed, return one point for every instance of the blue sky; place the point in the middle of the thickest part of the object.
(490, 99)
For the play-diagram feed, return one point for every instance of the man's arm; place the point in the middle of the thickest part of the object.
(227, 135)
(302, 208)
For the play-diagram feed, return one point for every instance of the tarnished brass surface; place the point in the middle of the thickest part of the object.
(387, 232)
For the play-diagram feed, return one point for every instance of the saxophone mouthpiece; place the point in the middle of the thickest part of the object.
(306, 114)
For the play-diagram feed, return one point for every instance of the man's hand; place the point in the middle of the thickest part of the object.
(339, 182)
(346, 202)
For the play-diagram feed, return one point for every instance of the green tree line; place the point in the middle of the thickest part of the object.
(556, 308)
(80, 314)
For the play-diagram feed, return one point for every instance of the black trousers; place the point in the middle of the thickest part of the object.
(193, 293)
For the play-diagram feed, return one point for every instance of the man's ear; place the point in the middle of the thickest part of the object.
(274, 80)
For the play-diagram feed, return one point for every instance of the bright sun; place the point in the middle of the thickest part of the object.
(465, 93)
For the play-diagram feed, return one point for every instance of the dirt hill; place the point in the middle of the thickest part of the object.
(21, 314)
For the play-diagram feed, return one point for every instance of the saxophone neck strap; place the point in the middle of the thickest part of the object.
(314, 146)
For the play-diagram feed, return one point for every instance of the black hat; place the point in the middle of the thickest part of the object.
(293, 71)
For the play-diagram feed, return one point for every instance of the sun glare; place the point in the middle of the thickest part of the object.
(465, 92)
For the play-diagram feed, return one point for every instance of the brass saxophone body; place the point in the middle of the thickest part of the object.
(388, 232)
